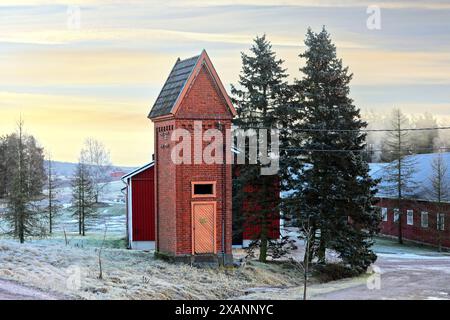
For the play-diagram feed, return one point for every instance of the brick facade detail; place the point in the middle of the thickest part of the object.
(203, 102)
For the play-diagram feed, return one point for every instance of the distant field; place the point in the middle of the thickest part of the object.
(111, 213)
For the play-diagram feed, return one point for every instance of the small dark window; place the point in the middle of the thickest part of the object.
(204, 189)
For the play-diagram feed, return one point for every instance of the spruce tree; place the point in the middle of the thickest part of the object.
(53, 206)
(332, 190)
(24, 186)
(83, 197)
(3, 168)
(258, 96)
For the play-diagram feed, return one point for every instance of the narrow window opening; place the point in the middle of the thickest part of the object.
(203, 189)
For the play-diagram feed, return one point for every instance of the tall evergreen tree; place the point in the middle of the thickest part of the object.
(53, 207)
(24, 185)
(3, 168)
(258, 96)
(331, 187)
(83, 196)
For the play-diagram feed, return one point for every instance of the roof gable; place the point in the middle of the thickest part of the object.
(177, 84)
(138, 171)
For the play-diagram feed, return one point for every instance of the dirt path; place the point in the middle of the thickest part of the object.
(10, 290)
(402, 276)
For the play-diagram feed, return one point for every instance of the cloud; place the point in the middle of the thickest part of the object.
(397, 67)
(395, 4)
(83, 66)
(61, 124)
(127, 47)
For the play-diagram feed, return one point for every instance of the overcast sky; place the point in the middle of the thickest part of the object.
(99, 78)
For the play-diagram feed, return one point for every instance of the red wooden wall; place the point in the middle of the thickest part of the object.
(416, 232)
(252, 228)
(143, 201)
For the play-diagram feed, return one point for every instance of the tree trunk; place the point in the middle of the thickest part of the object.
(310, 254)
(263, 246)
(83, 227)
(79, 221)
(322, 249)
(399, 183)
(50, 221)
(21, 228)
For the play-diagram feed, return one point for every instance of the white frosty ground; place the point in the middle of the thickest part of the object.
(129, 274)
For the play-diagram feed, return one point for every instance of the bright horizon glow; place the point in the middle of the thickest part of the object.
(101, 80)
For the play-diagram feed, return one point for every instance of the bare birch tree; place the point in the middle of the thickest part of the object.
(440, 193)
(97, 159)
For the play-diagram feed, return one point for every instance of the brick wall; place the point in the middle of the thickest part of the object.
(165, 188)
(202, 102)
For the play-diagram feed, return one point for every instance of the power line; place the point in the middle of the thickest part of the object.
(361, 150)
(357, 150)
(352, 130)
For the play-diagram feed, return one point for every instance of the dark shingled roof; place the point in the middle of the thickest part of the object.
(173, 87)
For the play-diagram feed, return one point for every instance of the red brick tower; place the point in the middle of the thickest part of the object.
(193, 201)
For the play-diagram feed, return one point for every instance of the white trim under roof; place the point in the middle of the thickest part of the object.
(137, 171)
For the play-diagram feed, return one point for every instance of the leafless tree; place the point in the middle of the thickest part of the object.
(439, 192)
(97, 158)
(398, 173)
(307, 236)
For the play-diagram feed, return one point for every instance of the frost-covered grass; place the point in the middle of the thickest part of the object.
(387, 246)
(52, 266)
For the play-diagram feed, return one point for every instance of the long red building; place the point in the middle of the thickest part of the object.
(421, 220)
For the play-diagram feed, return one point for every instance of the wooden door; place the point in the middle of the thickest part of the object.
(203, 224)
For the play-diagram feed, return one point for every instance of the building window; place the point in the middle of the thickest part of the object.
(424, 219)
(203, 189)
(384, 214)
(409, 217)
(396, 215)
(440, 222)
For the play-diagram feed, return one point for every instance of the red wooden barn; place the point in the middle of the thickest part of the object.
(140, 202)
